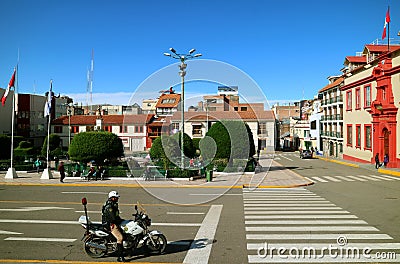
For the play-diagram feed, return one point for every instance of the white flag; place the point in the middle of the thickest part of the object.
(47, 105)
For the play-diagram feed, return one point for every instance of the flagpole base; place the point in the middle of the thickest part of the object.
(46, 175)
(11, 173)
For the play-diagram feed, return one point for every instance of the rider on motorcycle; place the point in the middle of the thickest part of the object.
(111, 220)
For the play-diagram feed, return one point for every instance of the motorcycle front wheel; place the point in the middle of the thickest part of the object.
(91, 248)
(160, 243)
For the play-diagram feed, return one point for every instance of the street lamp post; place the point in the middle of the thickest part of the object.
(182, 73)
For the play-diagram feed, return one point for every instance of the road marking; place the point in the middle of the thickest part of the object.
(332, 179)
(284, 199)
(286, 158)
(183, 213)
(41, 239)
(357, 178)
(368, 178)
(3, 232)
(31, 209)
(291, 204)
(321, 259)
(200, 249)
(283, 202)
(345, 178)
(215, 194)
(382, 178)
(300, 216)
(294, 212)
(309, 236)
(19, 221)
(310, 228)
(320, 246)
(305, 222)
(90, 212)
(293, 208)
(84, 192)
(391, 177)
(319, 179)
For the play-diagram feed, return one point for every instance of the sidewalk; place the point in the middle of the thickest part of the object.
(272, 175)
(368, 166)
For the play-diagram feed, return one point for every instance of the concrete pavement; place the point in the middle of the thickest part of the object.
(272, 175)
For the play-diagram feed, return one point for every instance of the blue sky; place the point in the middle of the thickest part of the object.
(288, 48)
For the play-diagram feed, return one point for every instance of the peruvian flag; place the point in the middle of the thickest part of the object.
(387, 20)
(11, 84)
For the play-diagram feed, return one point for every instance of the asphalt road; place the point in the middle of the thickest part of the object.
(357, 205)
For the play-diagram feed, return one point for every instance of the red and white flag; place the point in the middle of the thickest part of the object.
(387, 20)
(10, 84)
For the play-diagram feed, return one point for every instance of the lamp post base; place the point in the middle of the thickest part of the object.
(46, 175)
(11, 174)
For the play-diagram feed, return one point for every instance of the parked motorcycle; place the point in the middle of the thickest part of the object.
(99, 242)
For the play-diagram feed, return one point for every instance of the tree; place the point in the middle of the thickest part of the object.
(166, 150)
(96, 145)
(233, 140)
(54, 143)
(188, 148)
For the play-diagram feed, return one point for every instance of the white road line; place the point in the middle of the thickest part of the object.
(284, 199)
(183, 213)
(357, 178)
(84, 192)
(300, 217)
(247, 212)
(291, 204)
(200, 249)
(31, 209)
(286, 158)
(3, 232)
(310, 228)
(305, 222)
(320, 246)
(89, 212)
(24, 221)
(345, 178)
(294, 208)
(283, 202)
(40, 239)
(368, 178)
(382, 178)
(332, 179)
(308, 179)
(214, 194)
(320, 259)
(309, 236)
(392, 177)
(319, 179)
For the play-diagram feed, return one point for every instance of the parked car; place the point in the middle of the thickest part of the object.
(305, 154)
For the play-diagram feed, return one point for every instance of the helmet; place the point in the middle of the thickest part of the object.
(113, 194)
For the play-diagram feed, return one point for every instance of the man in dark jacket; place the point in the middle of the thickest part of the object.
(112, 220)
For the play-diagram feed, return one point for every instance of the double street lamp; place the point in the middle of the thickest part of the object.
(182, 73)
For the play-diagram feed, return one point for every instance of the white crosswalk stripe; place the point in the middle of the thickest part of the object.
(307, 227)
(351, 178)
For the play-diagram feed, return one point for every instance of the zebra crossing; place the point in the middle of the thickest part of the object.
(352, 178)
(297, 226)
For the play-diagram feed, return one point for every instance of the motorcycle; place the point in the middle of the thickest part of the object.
(99, 242)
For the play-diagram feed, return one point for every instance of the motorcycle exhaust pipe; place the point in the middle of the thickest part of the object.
(95, 245)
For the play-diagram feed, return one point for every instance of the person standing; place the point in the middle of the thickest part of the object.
(37, 164)
(385, 160)
(377, 163)
(111, 220)
(61, 169)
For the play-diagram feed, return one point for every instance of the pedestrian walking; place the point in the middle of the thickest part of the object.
(377, 162)
(37, 164)
(385, 160)
(61, 169)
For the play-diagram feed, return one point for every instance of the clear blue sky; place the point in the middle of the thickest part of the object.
(288, 47)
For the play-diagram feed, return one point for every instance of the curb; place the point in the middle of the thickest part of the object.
(340, 162)
(394, 173)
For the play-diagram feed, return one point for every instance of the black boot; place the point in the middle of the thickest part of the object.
(120, 253)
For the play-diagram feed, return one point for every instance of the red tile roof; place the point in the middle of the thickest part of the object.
(337, 82)
(226, 115)
(379, 48)
(355, 59)
(82, 120)
(175, 97)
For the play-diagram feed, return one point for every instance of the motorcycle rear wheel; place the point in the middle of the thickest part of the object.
(95, 252)
(160, 242)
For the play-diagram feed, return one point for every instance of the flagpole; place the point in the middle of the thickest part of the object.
(388, 45)
(11, 173)
(47, 172)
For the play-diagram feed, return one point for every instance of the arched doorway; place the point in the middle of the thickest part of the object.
(331, 149)
(385, 133)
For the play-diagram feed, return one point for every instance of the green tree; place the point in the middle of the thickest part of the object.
(95, 145)
(233, 140)
(54, 143)
(165, 149)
